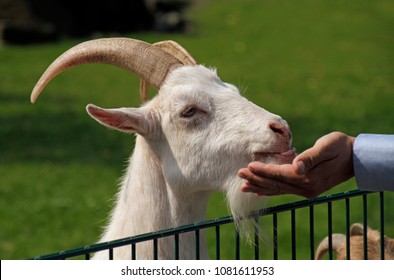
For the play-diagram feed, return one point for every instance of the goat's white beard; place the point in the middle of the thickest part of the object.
(241, 204)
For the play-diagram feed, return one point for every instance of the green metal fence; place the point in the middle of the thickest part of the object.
(299, 213)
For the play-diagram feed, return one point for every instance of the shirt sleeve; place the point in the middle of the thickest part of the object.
(373, 160)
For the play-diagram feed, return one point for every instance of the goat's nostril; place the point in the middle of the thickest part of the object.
(277, 129)
(280, 129)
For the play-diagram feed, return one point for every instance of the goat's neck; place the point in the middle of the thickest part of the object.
(146, 202)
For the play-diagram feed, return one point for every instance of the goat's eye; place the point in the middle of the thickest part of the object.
(189, 112)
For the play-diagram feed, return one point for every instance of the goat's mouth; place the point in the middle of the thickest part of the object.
(280, 157)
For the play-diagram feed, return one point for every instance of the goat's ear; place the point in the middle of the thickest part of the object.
(123, 119)
(356, 229)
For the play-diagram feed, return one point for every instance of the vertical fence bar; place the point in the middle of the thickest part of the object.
(237, 246)
(256, 239)
(275, 234)
(87, 256)
(381, 210)
(217, 233)
(133, 251)
(155, 249)
(365, 227)
(111, 253)
(176, 246)
(293, 235)
(347, 206)
(329, 226)
(197, 235)
(312, 232)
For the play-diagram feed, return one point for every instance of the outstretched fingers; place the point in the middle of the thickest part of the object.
(284, 173)
(268, 179)
(280, 189)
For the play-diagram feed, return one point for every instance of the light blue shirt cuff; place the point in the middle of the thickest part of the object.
(373, 160)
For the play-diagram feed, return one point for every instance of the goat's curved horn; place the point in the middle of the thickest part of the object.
(147, 61)
(338, 240)
(174, 49)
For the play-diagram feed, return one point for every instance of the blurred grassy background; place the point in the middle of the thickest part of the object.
(322, 65)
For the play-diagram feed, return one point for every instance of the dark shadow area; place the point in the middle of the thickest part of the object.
(37, 21)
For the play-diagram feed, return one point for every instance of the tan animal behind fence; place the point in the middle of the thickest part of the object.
(357, 245)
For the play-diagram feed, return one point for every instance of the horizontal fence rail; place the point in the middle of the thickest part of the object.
(274, 212)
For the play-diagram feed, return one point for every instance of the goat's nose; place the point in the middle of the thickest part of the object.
(281, 129)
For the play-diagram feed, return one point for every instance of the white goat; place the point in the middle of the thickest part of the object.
(191, 140)
(356, 241)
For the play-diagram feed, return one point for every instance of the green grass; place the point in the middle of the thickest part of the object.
(322, 65)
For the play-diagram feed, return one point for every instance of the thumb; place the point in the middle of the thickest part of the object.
(306, 161)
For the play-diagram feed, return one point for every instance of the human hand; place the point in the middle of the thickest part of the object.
(314, 171)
